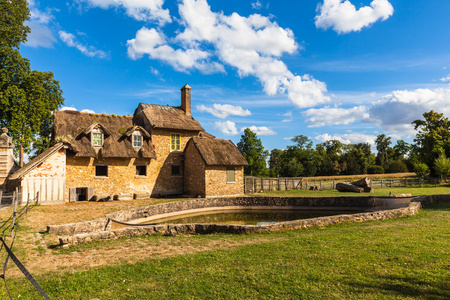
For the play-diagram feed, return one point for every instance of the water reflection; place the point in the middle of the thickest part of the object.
(251, 217)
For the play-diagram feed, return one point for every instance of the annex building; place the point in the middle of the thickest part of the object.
(159, 151)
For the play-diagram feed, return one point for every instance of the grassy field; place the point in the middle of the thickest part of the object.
(405, 258)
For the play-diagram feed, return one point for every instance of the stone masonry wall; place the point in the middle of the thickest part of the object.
(121, 176)
(165, 159)
(217, 185)
(194, 172)
(172, 230)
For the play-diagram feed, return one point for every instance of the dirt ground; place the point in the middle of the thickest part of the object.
(40, 253)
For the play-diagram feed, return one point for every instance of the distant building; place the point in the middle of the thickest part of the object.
(160, 151)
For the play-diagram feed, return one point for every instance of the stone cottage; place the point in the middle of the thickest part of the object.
(159, 151)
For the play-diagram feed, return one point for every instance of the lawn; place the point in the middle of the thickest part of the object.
(404, 258)
(413, 190)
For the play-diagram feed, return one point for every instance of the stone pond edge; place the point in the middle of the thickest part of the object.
(95, 230)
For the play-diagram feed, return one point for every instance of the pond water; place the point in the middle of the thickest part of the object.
(250, 217)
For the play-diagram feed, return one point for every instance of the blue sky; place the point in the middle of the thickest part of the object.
(329, 69)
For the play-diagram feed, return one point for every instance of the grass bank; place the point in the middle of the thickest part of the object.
(404, 258)
(413, 190)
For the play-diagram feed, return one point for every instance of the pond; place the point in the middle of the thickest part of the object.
(249, 216)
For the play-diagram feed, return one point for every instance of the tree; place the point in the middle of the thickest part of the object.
(253, 151)
(401, 150)
(442, 166)
(382, 142)
(421, 170)
(432, 138)
(27, 98)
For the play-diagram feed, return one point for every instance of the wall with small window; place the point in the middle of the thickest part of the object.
(224, 181)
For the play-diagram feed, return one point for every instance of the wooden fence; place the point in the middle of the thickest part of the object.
(262, 184)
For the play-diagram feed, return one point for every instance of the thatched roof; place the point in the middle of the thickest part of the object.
(35, 162)
(167, 117)
(218, 152)
(116, 144)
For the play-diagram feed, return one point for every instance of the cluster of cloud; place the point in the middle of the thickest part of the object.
(224, 110)
(229, 128)
(444, 79)
(141, 10)
(348, 138)
(70, 40)
(71, 108)
(343, 17)
(335, 116)
(252, 45)
(41, 35)
(392, 113)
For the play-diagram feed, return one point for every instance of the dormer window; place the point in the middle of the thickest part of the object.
(97, 137)
(137, 140)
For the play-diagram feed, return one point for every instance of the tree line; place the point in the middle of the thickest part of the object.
(427, 155)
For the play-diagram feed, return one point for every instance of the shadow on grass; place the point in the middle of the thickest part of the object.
(391, 285)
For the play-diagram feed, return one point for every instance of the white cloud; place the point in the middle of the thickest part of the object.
(71, 41)
(40, 35)
(252, 45)
(445, 78)
(348, 138)
(155, 45)
(141, 10)
(335, 116)
(395, 112)
(256, 5)
(227, 127)
(262, 130)
(289, 115)
(224, 110)
(90, 111)
(68, 108)
(343, 16)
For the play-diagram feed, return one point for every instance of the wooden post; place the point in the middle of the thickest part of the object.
(1, 195)
(334, 185)
(381, 183)
(320, 184)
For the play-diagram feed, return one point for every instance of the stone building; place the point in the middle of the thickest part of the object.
(104, 156)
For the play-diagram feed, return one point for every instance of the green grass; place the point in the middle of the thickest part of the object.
(415, 191)
(404, 258)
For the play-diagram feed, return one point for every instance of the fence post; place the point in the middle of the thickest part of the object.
(1, 195)
(320, 184)
(381, 183)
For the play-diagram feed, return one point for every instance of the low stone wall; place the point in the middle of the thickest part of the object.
(431, 199)
(173, 230)
(164, 208)
(81, 227)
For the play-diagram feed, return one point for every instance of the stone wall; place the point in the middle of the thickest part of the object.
(121, 175)
(217, 185)
(165, 159)
(172, 230)
(194, 172)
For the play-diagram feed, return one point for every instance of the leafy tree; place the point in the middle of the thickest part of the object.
(421, 170)
(382, 142)
(442, 166)
(401, 150)
(253, 151)
(27, 97)
(275, 162)
(432, 138)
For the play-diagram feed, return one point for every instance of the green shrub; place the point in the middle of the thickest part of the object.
(397, 166)
(375, 169)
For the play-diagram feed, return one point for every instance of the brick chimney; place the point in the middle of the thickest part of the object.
(186, 99)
